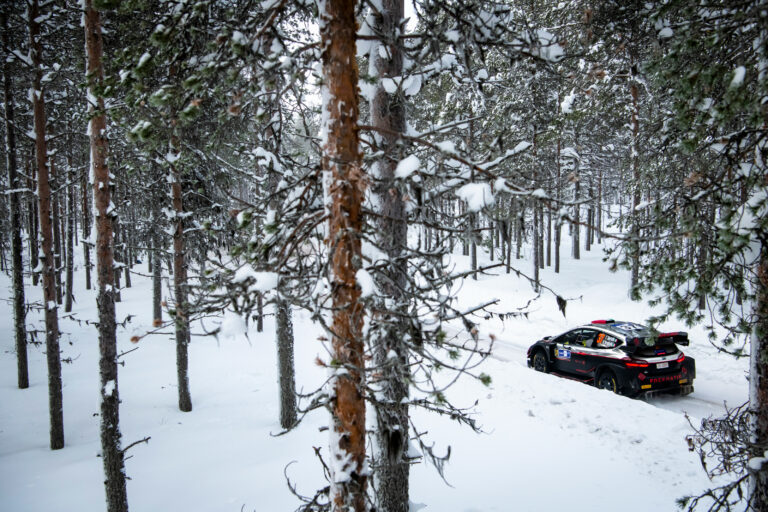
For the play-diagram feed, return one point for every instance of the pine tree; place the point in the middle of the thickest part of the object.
(111, 450)
(55, 406)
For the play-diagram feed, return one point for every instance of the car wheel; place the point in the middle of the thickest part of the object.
(607, 380)
(540, 363)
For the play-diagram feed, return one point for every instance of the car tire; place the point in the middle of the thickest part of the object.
(606, 379)
(540, 363)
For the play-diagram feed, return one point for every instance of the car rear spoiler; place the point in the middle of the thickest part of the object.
(678, 338)
(664, 338)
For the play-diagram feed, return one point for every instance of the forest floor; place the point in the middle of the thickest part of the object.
(548, 443)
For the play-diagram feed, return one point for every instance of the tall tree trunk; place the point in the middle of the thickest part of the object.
(112, 453)
(283, 315)
(19, 311)
(342, 163)
(758, 383)
(86, 209)
(388, 113)
(576, 240)
(286, 373)
(558, 187)
(56, 218)
(535, 247)
(549, 236)
(70, 243)
(34, 246)
(55, 405)
(180, 289)
(634, 252)
(116, 247)
(157, 274)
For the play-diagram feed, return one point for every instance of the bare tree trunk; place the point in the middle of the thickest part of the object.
(576, 249)
(634, 214)
(343, 164)
(157, 275)
(549, 237)
(55, 206)
(70, 243)
(758, 383)
(34, 246)
(116, 248)
(180, 290)
(535, 248)
(388, 113)
(55, 405)
(111, 451)
(19, 311)
(599, 220)
(86, 209)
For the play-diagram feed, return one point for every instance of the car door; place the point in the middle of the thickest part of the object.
(585, 354)
(563, 351)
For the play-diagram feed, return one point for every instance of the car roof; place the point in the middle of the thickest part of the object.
(622, 328)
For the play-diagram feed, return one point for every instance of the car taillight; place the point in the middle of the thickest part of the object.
(637, 365)
(681, 358)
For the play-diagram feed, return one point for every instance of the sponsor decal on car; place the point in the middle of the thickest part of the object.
(563, 353)
(666, 378)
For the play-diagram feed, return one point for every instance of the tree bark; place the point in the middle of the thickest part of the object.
(180, 291)
(389, 330)
(759, 385)
(69, 262)
(19, 311)
(55, 405)
(634, 214)
(86, 209)
(157, 274)
(34, 246)
(56, 218)
(342, 164)
(111, 451)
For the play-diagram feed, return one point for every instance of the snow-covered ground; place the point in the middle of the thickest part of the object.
(548, 443)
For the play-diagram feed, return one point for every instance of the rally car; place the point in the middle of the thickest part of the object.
(623, 357)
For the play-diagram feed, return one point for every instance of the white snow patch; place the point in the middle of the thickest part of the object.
(366, 283)
(477, 195)
(407, 166)
(738, 77)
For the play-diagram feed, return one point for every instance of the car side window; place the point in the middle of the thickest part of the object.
(606, 341)
(566, 338)
(586, 337)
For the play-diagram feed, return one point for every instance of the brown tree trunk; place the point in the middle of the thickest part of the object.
(34, 246)
(19, 311)
(180, 289)
(112, 454)
(634, 214)
(69, 262)
(56, 218)
(388, 328)
(86, 209)
(157, 273)
(759, 385)
(342, 163)
(55, 404)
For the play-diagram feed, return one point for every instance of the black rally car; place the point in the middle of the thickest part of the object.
(624, 357)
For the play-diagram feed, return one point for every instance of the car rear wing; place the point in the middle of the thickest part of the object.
(664, 338)
(678, 338)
